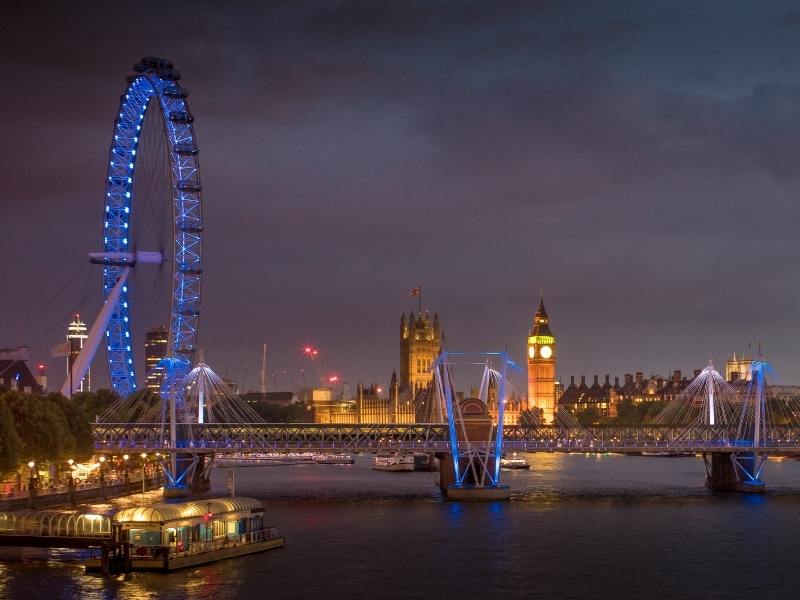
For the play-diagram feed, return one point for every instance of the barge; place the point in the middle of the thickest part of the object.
(393, 462)
(165, 537)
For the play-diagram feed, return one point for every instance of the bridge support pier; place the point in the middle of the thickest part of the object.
(192, 475)
(201, 477)
(469, 490)
(734, 472)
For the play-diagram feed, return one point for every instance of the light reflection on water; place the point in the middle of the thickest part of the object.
(599, 525)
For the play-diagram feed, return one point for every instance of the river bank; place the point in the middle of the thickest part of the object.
(71, 496)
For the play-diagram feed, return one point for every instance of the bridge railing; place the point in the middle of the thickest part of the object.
(222, 437)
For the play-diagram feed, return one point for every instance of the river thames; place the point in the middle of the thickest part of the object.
(576, 527)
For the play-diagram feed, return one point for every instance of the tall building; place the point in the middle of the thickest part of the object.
(368, 406)
(77, 334)
(155, 348)
(542, 365)
(420, 343)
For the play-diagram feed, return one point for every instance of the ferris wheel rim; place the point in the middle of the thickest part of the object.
(154, 83)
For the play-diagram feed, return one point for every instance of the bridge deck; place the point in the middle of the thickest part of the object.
(433, 437)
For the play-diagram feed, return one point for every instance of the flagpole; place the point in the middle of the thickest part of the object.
(419, 298)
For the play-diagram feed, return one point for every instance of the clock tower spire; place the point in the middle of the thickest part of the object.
(542, 364)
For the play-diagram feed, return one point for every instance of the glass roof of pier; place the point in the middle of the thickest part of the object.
(161, 513)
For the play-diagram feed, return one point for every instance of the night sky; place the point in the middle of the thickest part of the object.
(637, 161)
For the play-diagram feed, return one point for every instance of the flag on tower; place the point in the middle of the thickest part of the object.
(416, 291)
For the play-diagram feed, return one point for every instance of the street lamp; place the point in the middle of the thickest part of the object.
(70, 481)
(144, 458)
(158, 471)
(102, 460)
(125, 458)
(31, 481)
(207, 518)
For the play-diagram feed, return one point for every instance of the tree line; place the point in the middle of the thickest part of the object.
(46, 427)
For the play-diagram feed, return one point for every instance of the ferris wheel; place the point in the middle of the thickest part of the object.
(152, 231)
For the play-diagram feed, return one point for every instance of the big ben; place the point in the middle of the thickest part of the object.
(542, 365)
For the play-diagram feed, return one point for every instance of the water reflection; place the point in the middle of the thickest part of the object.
(576, 527)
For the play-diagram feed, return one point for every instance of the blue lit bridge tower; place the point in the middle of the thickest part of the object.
(471, 471)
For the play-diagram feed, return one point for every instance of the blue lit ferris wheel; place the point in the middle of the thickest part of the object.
(167, 172)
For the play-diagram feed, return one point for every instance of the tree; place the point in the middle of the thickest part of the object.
(10, 444)
(80, 443)
(280, 413)
(589, 416)
(94, 404)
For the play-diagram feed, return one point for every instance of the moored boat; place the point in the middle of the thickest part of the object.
(165, 537)
(263, 459)
(393, 462)
(514, 462)
(667, 454)
(333, 459)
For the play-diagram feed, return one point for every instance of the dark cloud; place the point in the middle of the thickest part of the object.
(351, 149)
(789, 19)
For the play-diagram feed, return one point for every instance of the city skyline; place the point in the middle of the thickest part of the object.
(488, 298)
(650, 194)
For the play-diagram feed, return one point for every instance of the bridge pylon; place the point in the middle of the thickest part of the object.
(729, 426)
(195, 416)
(741, 469)
(754, 429)
(471, 470)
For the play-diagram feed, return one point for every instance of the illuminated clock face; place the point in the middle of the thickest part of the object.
(545, 352)
(531, 351)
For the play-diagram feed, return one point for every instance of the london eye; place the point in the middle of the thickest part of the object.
(152, 229)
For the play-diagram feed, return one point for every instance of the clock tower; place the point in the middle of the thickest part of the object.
(542, 365)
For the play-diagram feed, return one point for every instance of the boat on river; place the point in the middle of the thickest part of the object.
(263, 459)
(514, 462)
(165, 537)
(393, 462)
(667, 454)
(333, 459)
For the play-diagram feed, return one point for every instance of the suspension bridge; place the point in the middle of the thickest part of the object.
(735, 429)
(152, 240)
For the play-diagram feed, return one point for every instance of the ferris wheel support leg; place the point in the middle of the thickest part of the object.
(86, 355)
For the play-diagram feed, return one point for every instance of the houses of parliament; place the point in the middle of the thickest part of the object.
(410, 396)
